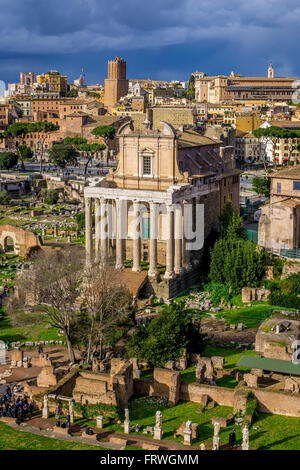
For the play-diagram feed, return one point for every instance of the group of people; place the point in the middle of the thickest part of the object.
(19, 408)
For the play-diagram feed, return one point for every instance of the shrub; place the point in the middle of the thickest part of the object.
(4, 197)
(165, 337)
(284, 300)
(237, 262)
(8, 160)
(92, 411)
(219, 291)
(50, 196)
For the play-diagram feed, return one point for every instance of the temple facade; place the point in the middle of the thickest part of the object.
(156, 209)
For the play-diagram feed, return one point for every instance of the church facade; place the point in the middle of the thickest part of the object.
(156, 209)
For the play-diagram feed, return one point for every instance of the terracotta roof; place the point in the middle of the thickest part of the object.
(105, 120)
(288, 173)
(286, 124)
(191, 138)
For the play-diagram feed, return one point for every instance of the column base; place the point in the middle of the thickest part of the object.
(169, 275)
(120, 266)
(136, 270)
(153, 274)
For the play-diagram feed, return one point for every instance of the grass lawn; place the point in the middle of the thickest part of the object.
(25, 333)
(142, 412)
(251, 317)
(269, 432)
(11, 439)
(275, 433)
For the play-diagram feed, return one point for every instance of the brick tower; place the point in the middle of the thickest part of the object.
(116, 84)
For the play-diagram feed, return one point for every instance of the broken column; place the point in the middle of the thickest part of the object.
(45, 413)
(100, 422)
(158, 426)
(187, 434)
(245, 444)
(216, 440)
(71, 411)
(127, 422)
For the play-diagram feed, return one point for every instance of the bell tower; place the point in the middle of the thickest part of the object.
(271, 71)
(116, 84)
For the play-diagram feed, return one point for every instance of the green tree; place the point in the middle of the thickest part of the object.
(235, 228)
(165, 337)
(80, 220)
(237, 262)
(26, 152)
(274, 134)
(89, 149)
(8, 160)
(21, 129)
(63, 154)
(50, 196)
(262, 185)
(191, 88)
(72, 93)
(231, 222)
(4, 198)
(107, 133)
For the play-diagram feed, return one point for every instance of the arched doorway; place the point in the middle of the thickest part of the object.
(9, 246)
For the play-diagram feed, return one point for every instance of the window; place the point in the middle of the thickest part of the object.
(279, 187)
(296, 185)
(146, 228)
(147, 165)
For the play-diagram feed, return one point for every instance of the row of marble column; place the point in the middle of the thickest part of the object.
(177, 256)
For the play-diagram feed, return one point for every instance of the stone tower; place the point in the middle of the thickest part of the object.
(27, 78)
(116, 84)
(271, 71)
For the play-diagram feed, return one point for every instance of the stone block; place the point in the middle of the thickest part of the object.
(46, 377)
(118, 440)
(218, 362)
(147, 446)
(60, 430)
(251, 380)
(16, 356)
(221, 421)
(92, 437)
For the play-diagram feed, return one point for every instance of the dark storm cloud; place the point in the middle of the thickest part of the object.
(240, 32)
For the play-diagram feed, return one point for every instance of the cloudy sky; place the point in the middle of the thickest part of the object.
(160, 39)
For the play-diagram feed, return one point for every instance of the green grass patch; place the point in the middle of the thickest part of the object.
(19, 440)
(231, 355)
(251, 317)
(25, 333)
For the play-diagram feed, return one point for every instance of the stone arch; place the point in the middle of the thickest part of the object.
(22, 239)
(9, 244)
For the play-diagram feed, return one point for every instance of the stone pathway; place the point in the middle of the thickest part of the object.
(63, 437)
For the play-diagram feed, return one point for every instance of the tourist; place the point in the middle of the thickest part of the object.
(68, 421)
(41, 349)
(232, 439)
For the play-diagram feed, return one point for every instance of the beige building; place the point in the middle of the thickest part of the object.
(162, 179)
(279, 225)
(219, 89)
(248, 149)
